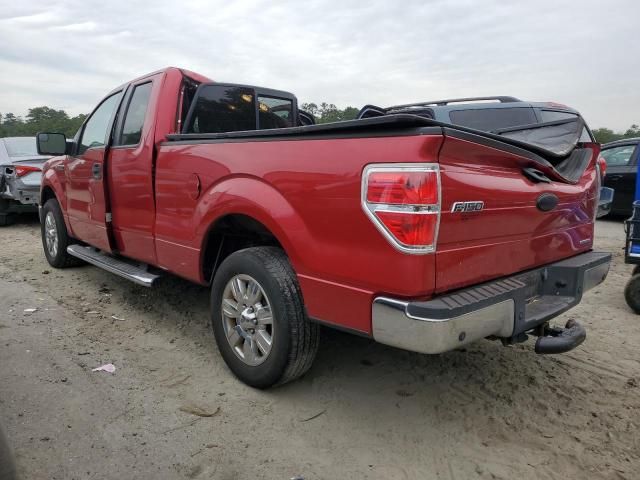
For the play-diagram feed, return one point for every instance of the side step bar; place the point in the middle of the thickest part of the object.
(136, 273)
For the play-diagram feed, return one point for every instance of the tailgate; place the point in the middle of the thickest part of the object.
(521, 223)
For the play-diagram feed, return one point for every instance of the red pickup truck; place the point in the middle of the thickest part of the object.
(419, 234)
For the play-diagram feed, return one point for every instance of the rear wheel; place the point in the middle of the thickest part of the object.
(55, 238)
(258, 318)
(632, 293)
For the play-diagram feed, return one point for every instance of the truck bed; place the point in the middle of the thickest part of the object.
(308, 179)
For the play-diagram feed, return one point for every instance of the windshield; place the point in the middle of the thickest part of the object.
(21, 146)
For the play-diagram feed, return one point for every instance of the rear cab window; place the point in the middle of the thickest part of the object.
(274, 112)
(233, 108)
(220, 109)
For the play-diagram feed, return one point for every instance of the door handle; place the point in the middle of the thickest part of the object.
(96, 170)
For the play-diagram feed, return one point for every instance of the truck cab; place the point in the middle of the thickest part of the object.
(113, 207)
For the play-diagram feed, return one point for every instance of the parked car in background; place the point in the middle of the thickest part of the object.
(622, 165)
(497, 114)
(511, 117)
(20, 177)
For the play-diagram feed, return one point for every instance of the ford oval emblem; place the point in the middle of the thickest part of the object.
(547, 202)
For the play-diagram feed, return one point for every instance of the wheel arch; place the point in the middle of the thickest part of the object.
(253, 213)
(52, 189)
(228, 234)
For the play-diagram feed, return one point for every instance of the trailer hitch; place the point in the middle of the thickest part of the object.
(558, 339)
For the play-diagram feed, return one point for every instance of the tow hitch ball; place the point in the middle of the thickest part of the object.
(558, 339)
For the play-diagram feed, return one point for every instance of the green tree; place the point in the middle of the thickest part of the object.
(328, 112)
(606, 135)
(633, 131)
(40, 119)
(46, 119)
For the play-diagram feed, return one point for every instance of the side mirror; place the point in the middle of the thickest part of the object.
(51, 143)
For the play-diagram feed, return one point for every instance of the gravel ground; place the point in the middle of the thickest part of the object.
(364, 411)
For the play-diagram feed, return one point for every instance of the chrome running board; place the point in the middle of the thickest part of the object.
(136, 273)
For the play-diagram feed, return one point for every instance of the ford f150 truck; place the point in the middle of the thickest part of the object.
(417, 233)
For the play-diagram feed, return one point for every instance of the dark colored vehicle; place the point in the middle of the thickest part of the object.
(621, 157)
(541, 123)
(416, 233)
(489, 114)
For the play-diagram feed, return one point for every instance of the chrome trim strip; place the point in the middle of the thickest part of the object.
(393, 325)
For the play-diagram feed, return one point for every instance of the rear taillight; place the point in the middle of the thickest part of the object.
(22, 170)
(403, 201)
(602, 165)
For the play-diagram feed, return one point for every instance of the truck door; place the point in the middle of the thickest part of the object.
(130, 176)
(86, 193)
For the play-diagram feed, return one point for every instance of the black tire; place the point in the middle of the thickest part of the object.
(5, 218)
(632, 293)
(295, 340)
(61, 259)
(636, 270)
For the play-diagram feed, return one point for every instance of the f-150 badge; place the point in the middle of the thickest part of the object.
(467, 207)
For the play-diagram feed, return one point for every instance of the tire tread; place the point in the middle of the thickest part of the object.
(304, 335)
(64, 260)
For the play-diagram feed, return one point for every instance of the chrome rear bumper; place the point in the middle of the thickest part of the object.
(502, 308)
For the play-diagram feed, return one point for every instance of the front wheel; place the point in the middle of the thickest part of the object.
(258, 318)
(55, 238)
(6, 218)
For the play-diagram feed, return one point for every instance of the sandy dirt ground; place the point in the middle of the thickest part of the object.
(364, 411)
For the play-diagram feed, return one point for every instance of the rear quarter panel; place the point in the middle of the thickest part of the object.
(307, 192)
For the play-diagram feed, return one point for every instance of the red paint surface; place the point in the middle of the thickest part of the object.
(166, 197)
(510, 234)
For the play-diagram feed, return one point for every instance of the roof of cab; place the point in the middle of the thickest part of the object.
(196, 76)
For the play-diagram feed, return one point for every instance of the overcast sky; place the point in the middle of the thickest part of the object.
(69, 53)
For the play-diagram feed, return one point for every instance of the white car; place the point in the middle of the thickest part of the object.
(20, 177)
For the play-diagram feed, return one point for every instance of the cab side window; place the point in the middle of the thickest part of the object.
(136, 113)
(95, 133)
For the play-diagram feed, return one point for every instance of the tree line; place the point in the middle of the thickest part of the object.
(606, 135)
(46, 119)
(328, 112)
(39, 119)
